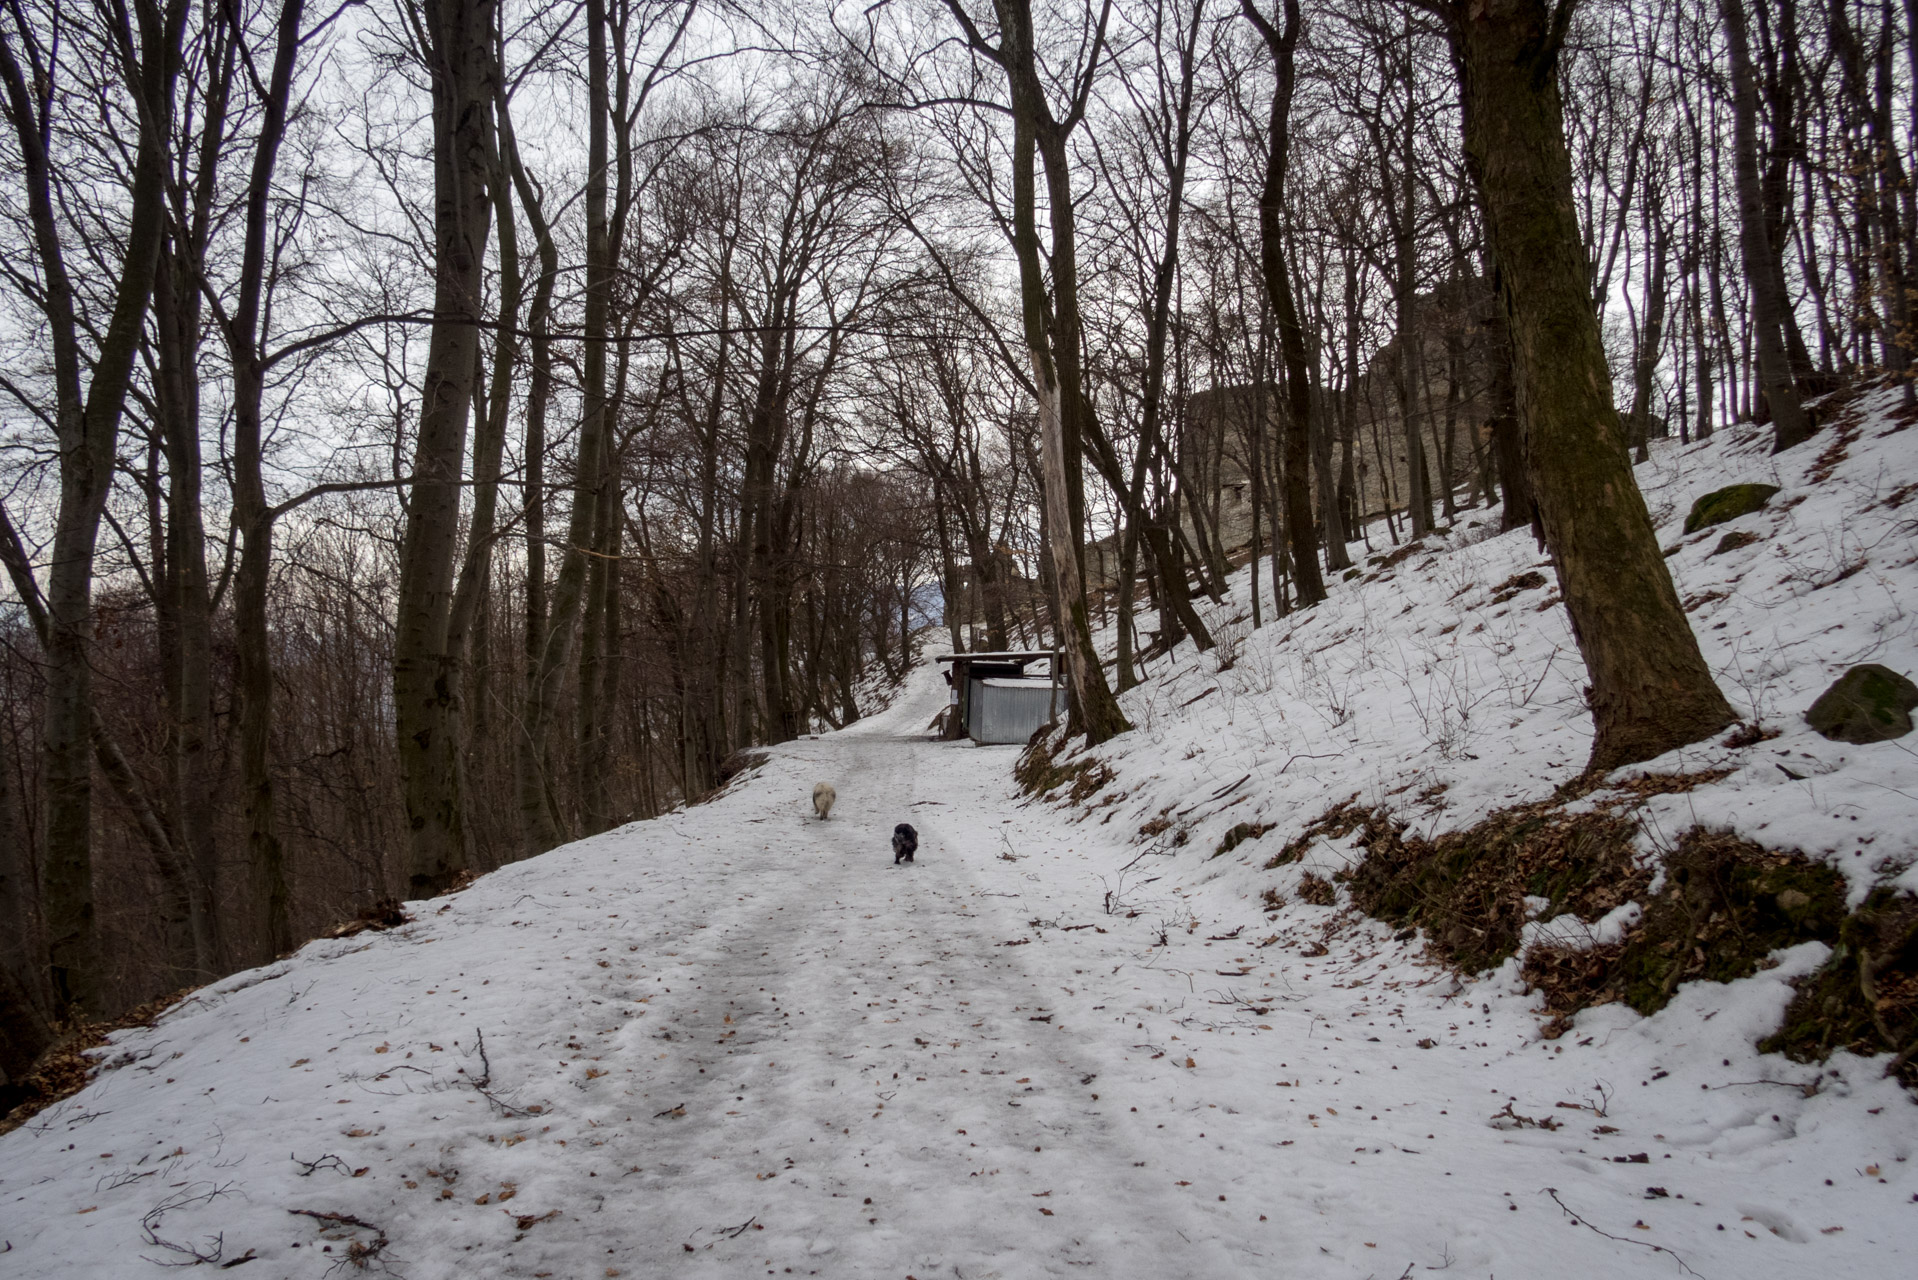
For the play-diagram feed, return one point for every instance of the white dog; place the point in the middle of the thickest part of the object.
(822, 797)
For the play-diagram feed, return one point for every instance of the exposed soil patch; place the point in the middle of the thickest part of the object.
(381, 916)
(1039, 772)
(1865, 998)
(1528, 581)
(1722, 906)
(1467, 889)
(1317, 890)
(1637, 787)
(1239, 835)
(1341, 820)
(65, 1069)
(1725, 906)
(1642, 786)
(1399, 557)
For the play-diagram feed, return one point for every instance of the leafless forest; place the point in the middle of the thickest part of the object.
(433, 430)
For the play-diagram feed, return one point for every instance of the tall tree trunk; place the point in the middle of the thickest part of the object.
(87, 427)
(24, 1030)
(1301, 535)
(186, 614)
(569, 591)
(532, 771)
(1351, 493)
(598, 661)
(1762, 257)
(1331, 513)
(456, 38)
(1783, 87)
(1651, 335)
(1508, 437)
(1153, 416)
(1052, 344)
(1403, 216)
(467, 621)
(1650, 688)
(245, 339)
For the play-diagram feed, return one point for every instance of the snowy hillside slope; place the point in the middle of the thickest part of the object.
(1453, 675)
(737, 1041)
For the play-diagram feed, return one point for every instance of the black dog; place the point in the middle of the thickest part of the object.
(905, 843)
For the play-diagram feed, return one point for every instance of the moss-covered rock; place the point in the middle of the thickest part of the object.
(1729, 503)
(1869, 703)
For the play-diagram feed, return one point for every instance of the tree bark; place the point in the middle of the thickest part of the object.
(1762, 257)
(24, 1031)
(1651, 336)
(532, 765)
(185, 611)
(1402, 217)
(1301, 534)
(1052, 343)
(253, 677)
(489, 443)
(87, 426)
(1508, 437)
(456, 39)
(1650, 688)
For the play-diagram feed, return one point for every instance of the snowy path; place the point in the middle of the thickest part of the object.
(864, 1033)
(737, 1041)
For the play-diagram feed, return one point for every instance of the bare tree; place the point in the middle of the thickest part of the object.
(456, 41)
(90, 391)
(1282, 42)
(1764, 272)
(1651, 689)
(1051, 322)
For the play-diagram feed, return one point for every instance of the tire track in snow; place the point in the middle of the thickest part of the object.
(865, 1078)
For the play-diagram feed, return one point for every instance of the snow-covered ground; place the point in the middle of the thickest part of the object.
(737, 1041)
(1444, 672)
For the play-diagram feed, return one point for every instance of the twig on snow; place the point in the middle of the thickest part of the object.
(338, 1219)
(359, 1253)
(186, 1255)
(1643, 1244)
(1809, 1088)
(482, 1085)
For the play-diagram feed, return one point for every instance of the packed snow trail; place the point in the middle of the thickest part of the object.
(736, 1040)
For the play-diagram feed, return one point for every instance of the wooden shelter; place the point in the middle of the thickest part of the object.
(992, 698)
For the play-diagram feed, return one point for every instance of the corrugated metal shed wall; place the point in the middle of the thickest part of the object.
(1004, 711)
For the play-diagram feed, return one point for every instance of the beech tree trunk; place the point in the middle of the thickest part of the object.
(1052, 344)
(532, 771)
(87, 427)
(24, 1033)
(1790, 423)
(1301, 535)
(266, 857)
(1650, 688)
(1651, 336)
(185, 613)
(457, 42)
(1508, 437)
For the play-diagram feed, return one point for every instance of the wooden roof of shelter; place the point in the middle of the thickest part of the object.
(1029, 655)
